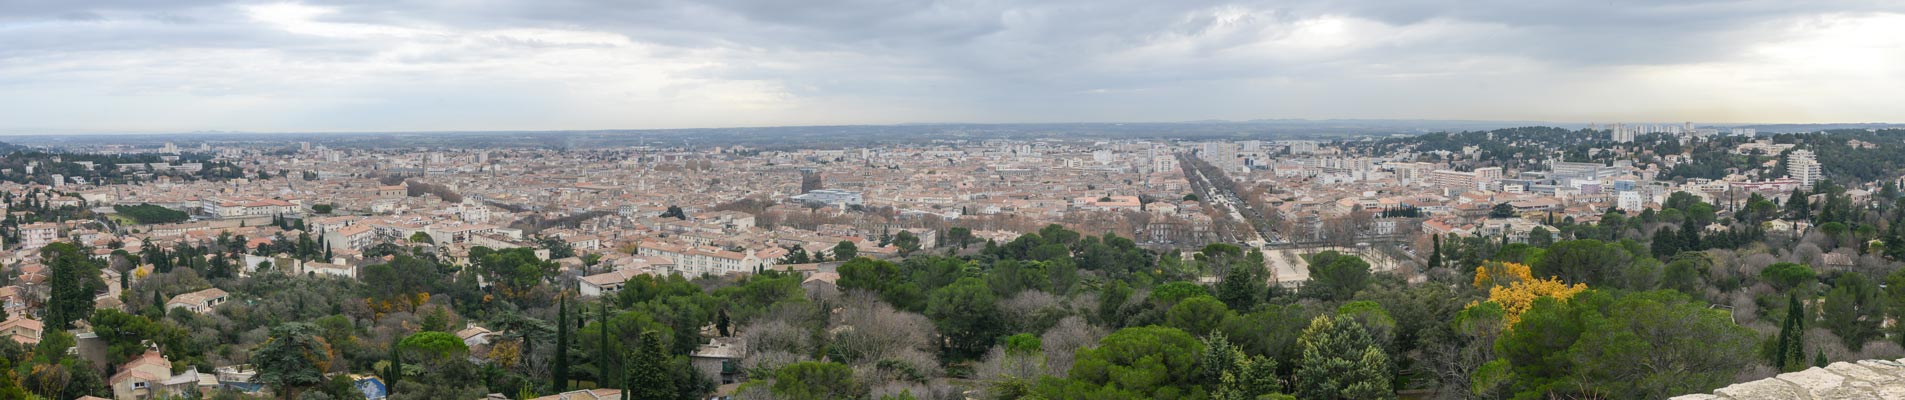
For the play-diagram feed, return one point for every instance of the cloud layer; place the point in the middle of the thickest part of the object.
(589, 64)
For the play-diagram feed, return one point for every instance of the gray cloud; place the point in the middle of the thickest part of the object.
(368, 65)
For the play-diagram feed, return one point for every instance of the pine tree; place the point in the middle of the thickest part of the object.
(559, 371)
(1340, 360)
(648, 374)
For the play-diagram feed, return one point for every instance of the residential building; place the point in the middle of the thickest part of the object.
(242, 208)
(150, 377)
(1803, 167)
(22, 330)
(202, 301)
(605, 283)
(36, 235)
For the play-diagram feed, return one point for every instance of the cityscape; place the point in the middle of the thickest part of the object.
(738, 201)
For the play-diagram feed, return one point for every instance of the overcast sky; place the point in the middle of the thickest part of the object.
(180, 65)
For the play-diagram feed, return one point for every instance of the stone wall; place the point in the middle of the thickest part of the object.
(1869, 379)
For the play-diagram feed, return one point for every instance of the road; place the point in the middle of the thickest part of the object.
(1287, 267)
(1233, 206)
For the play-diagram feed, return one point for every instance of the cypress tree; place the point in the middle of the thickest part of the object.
(1666, 242)
(394, 372)
(603, 354)
(1789, 353)
(1796, 204)
(1435, 251)
(1690, 236)
(559, 372)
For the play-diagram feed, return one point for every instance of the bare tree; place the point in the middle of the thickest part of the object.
(1032, 310)
(1062, 342)
(777, 335)
(868, 330)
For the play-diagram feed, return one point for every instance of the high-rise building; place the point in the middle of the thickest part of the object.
(1622, 133)
(1802, 166)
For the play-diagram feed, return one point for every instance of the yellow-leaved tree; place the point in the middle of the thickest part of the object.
(1513, 287)
(1501, 273)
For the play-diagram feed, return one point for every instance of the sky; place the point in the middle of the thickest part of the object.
(400, 65)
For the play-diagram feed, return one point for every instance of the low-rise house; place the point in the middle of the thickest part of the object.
(330, 269)
(12, 300)
(199, 302)
(150, 377)
(22, 330)
(720, 359)
(605, 283)
(474, 336)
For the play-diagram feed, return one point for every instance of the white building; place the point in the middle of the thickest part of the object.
(241, 208)
(692, 260)
(1630, 201)
(37, 235)
(199, 302)
(604, 283)
(832, 197)
(1801, 166)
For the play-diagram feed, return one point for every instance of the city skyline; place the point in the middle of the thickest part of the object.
(425, 66)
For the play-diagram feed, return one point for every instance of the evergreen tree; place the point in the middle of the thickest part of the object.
(292, 360)
(649, 376)
(1241, 288)
(1690, 236)
(1435, 251)
(721, 322)
(1341, 361)
(559, 370)
(1789, 352)
(604, 367)
(1666, 242)
(1796, 206)
(1853, 309)
(394, 372)
(74, 279)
